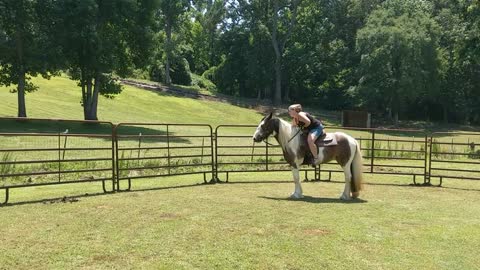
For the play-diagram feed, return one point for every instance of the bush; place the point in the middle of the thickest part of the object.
(179, 72)
(203, 83)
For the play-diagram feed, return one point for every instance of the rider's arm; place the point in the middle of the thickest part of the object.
(303, 117)
(294, 122)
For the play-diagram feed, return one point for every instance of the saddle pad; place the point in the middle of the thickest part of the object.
(328, 139)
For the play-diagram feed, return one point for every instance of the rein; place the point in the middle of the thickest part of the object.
(294, 135)
(268, 143)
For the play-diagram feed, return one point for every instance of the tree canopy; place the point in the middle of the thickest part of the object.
(403, 59)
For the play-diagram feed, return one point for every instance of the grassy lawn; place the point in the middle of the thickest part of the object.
(176, 224)
(59, 98)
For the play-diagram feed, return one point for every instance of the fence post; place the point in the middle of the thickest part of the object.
(430, 159)
(114, 158)
(139, 145)
(372, 151)
(65, 144)
(7, 196)
(168, 150)
(201, 154)
(426, 173)
(59, 157)
(266, 154)
(213, 137)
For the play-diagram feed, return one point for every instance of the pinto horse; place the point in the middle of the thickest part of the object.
(345, 150)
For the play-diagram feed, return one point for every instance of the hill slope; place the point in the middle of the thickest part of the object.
(59, 98)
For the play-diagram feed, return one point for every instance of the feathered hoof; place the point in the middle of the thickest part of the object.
(345, 198)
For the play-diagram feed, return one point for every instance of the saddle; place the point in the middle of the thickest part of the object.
(327, 139)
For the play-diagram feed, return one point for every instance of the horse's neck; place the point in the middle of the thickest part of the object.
(285, 133)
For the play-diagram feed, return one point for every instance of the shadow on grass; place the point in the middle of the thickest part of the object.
(53, 126)
(77, 198)
(189, 92)
(310, 199)
(462, 189)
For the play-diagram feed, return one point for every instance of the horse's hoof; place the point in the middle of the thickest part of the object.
(355, 194)
(345, 198)
(296, 196)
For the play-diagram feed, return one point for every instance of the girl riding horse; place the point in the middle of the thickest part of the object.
(306, 121)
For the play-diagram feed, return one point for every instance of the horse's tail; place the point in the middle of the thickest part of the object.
(356, 169)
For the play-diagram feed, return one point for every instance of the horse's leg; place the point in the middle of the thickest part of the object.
(347, 169)
(298, 193)
(348, 179)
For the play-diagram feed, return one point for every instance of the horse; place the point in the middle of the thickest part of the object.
(346, 151)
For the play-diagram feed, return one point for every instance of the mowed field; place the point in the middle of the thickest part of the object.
(249, 223)
(59, 98)
(177, 223)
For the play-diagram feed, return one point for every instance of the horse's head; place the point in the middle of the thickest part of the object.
(265, 128)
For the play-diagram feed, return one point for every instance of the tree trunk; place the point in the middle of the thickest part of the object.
(266, 92)
(22, 111)
(277, 100)
(168, 30)
(396, 107)
(84, 93)
(277, 97)
(286, 95)
(96, 91)
(87, 100)
(466, 120)
(445, 114)
(279, 46)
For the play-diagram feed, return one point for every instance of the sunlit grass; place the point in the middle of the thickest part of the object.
(59, 98)
(245, 225)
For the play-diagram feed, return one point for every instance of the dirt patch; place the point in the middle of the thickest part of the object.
(169, 216)
(317, 232)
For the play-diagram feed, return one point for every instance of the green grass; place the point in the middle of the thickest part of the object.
(245, 225)
(178, 224)
(59, 98)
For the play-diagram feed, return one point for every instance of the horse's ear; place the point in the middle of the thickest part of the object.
(270, 116)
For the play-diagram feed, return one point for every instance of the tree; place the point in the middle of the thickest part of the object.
(208, 14)
(399, 60)
(102, 37)
(26, 46)
(280, 38)
(169, 14)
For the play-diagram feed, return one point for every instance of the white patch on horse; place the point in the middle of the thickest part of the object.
(321, 155)
(259, 128)
(298, 193)
(347, 169)
(286, 132)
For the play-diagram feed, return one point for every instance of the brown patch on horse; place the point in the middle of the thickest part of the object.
(340, 152)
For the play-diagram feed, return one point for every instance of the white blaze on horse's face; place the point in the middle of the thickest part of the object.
(264, 129)
(258, 135)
